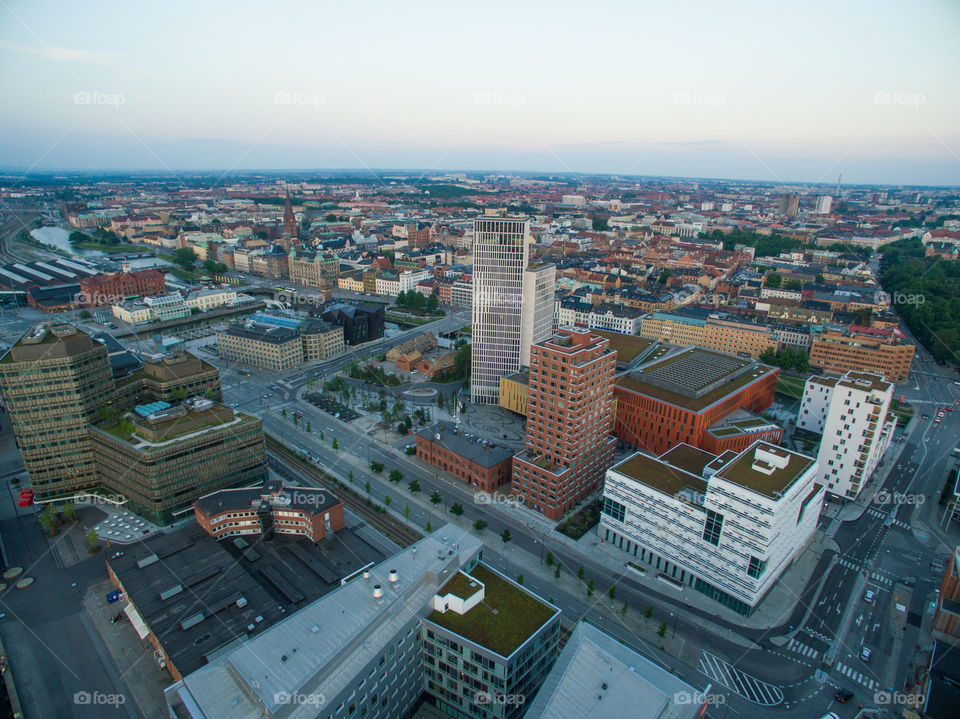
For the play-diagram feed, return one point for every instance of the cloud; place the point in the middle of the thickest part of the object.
(64, 54)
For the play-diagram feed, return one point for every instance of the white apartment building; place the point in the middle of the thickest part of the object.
(824, 203)
(726, 525)
(409, 279)
(852, 413)
(159, 308)
(512, 304)
(206, 300)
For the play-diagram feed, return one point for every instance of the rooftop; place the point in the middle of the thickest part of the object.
(751, 471)
(273, 493)
(505, 619)
(470, 447)
(461, 585)
(660, 475)
(628, 347)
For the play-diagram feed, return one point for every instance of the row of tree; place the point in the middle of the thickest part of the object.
(417, 301)
(787, 358)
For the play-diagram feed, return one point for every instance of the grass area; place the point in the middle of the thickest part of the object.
(791, 386)
(413, 321)
(179, 272)
(109, 249)
(460, 586)
(504, 620)
(582, 522)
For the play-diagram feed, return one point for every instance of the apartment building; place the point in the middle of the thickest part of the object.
(568, 447)
(430, 621)
(512, 303)
(308, 512)
(837, 353)
(852, 415)
(261, 346)
(461, 293)
(726, 525)
(692, 396)
(206, 300)
(702, 328)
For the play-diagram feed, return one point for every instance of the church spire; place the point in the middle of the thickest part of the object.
(289, 219)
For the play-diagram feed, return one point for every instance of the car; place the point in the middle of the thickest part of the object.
(115, 596)
(267, 395)
(949, 409)
(865, 654)
(869, 596)
(843, 695)
(925, 416)
(937, 420)
(297, 415)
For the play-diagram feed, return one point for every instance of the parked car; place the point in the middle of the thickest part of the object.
(869, 596)
(865, 654)
(843, 695)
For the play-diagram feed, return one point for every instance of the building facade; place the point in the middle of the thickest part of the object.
(261, 346)
(837, 353)
(727, 525)
(114, 289)
(852, 415)
(475, 462)
(568, 447)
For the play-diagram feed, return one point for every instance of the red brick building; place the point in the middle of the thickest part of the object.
(568, 447)
(271, 509)
(677, 397)
(113, 289)
(469, 459)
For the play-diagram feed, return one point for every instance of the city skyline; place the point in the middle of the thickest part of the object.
(807, 92)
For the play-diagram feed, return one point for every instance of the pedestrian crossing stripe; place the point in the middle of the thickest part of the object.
(856, 676)
(882, 580)
(849, 565)
(802, 649)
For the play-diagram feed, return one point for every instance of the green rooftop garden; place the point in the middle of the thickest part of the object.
(504, 620)
(459, 586)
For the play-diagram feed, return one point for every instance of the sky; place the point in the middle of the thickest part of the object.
(798, 91)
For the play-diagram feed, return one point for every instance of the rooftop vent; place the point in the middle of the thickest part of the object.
(394, 578)
(377, 592)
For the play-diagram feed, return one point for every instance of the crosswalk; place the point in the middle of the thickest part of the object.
(856, 676)
(848, 564)
(816, 634)
(802, 649)
(749, 687)
(880, 579)
(880, 514)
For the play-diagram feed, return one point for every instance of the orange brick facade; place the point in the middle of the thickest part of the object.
(476, 475)
(656, 426)
(113, 289)
(836, 353)
(286, 520)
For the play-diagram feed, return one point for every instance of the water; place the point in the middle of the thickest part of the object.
(60, 238)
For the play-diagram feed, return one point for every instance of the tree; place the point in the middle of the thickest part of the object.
(819, 279)
(107, 414)
(612, 592)
(406, 511)
(296, 422)
(591, 588)
(310, 429)
(214, 267)
(283, 411)
(414, 487)
(648, 612)
(69, 512)
(793, 284)
(505, 536)
(440, 400)
(84, 314)
(185, 257)
(435, 498)
(479, 526)
(178, 393)
(376, 467)
(599, 223)
(395, 475)
(623, 609)
(321, 435)
(520, 579)
(387, 500)
(662, 631)
(580, 573)
(433, 303)
(456, 510)
(350, 476)
(556, 572)
(429, 527)
(772, 280)
(48, 521)
(367, 486)
(93, 540)
(335, 444)
(549, 559)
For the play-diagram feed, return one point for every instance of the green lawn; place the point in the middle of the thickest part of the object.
(109, 248)
(791, 386)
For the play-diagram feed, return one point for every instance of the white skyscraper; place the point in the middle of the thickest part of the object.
(852, 413)
(512, 303)
(824, 203)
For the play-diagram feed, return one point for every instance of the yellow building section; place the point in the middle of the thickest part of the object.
(515, 391)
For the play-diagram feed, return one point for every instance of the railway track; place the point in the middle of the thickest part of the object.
(287, 459)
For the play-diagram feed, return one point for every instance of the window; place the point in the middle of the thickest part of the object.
(614, 509)
(712, 527)
(757, 567)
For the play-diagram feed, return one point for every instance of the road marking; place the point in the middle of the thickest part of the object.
(749, 687)
(856, 676)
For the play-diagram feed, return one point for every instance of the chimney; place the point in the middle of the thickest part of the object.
(377, 592)
(394, 578)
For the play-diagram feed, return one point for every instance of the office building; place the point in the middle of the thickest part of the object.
(789, 205)
(837, 353)
(568, 446)
(824, 204)
(598, 676)
(279, 343)
(726, 525)
(313, 269)
(272, 509)
(55, 378)
(470, 459)
(512, 303)
(709, 330)
(361, 323)
(159, 308)
(852, 415)
(677, 396)
(431, 620)
(162, 457)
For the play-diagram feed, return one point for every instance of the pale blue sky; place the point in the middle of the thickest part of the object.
(798, 90)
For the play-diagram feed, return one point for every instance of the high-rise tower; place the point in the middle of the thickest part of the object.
(289, 219)
(512, 303)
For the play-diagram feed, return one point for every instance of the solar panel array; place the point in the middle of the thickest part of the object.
(692, 371)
